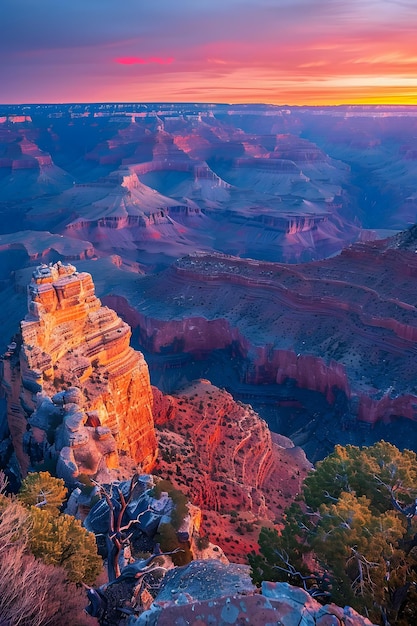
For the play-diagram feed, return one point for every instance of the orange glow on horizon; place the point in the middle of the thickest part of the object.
(251, 86)
(291, 52)
(325, 70)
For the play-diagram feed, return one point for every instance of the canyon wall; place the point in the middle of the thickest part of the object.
(348, 323)
(224, 457)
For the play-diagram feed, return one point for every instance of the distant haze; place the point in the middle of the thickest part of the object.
(272, 51)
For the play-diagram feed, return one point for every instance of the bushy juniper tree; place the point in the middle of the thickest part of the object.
(32, 593)
(352, 536)
(54, 537)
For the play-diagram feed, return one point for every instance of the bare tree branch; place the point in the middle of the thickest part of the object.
(118, 537)
(363, 581)
(408, 511)
(289, 569)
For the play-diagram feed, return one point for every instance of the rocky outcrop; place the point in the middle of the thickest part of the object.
(25, 155)
(70, 343)
(43, 246)
(207, 592)
(297, 149)
(223, 456)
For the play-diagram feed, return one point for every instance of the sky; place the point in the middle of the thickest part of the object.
(294, 52)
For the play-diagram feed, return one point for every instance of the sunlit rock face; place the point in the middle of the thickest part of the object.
(223, 456)
(73, 345)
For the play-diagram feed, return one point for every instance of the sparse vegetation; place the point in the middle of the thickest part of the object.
(168, 539)
(62, 540)
(178, 498)
(32, 593)
(40, 489)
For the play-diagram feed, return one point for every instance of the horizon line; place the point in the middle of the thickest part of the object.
(210, 103)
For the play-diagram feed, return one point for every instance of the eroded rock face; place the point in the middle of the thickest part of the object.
(223, 456)
(70, 343)
(347, 323)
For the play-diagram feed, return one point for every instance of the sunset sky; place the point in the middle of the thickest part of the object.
(272, 51)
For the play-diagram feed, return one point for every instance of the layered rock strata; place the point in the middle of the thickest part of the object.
(72, 344)
(223, 456)
(347, 323)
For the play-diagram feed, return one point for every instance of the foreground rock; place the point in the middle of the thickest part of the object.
(72, 345)
(209, 593)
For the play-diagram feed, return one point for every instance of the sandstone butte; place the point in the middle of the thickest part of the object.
(76, 391)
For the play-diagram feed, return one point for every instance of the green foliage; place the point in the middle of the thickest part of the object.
(32, 593)
(42, 490)
(62, 540)
(264, 565)
(55, 538)
(362, 470)
(168, 540)
(346, 539)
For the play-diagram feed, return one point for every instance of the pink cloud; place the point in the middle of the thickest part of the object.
(144, 61)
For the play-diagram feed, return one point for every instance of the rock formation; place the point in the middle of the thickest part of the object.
(224, 458)
(150, 184)
(71, 344)
(43, 246)
(207, 592)
(167, 182)
(347, 323)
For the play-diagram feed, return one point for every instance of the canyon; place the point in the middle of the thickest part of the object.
(217, 296)
(80, 396)
(344, 327)
(254, 246)
(79, 400)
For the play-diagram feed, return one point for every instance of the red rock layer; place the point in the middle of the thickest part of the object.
(222, 455)
(70, 341)
(348, 322)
